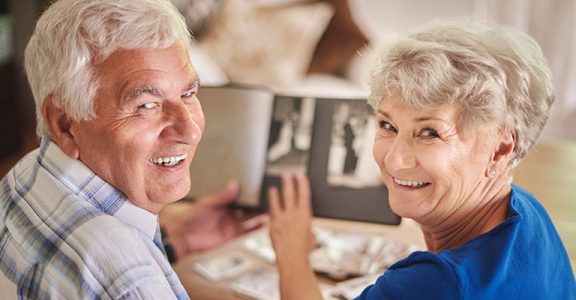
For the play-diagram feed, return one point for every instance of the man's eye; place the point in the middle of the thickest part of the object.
(429, 133)
(188, 94)
(149, 105)
(387, 126)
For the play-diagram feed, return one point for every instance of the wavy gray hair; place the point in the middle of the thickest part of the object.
(73, 35)
(497, 74)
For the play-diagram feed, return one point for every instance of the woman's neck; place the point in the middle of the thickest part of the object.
(479, 215)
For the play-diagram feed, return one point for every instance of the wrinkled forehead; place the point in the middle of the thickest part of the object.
(128, 60)
(101, 54)
(129, 73)
(395, 104)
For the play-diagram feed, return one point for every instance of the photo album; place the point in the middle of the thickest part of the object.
(254, 134)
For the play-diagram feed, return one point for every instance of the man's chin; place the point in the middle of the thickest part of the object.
(170, 194)
(179, 192)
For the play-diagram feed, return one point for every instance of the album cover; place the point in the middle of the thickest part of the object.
(253, 135)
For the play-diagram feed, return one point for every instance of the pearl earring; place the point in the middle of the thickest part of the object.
(491, 173)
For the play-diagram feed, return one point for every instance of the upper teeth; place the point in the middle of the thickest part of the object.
(409, 182)
(168, 161)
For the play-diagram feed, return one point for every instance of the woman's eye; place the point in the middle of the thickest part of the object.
(387, 126)
(149, 105)
(429, 133)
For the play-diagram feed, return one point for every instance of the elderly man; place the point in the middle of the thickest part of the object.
(119, 123)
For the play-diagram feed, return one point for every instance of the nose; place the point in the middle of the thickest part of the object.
(183, 123)
(400, 154)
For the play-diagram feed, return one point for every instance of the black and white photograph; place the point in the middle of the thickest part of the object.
(350, 162)
(290, 135)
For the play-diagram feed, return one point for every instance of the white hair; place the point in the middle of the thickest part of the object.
(73, 35)
(497, 74)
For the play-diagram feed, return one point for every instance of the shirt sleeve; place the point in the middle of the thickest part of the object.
(149, 290)
(422, 275)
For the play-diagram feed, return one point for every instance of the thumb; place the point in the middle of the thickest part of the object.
(224, 197)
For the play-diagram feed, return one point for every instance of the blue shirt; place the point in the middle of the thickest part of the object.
(522, 258)
(67, 234)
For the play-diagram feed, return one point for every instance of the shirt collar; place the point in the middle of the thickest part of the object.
(82, 181)
(138, 217)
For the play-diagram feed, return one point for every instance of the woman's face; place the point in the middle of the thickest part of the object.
(429, 167)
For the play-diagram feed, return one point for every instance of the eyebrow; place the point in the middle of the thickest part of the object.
(194, 84)
(384, 113)
(420, 119)
(423, 119)
(146, 89)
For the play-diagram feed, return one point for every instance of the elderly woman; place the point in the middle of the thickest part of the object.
(458, 106)
(119, 119)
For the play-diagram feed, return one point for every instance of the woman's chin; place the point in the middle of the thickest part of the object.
(404, 210)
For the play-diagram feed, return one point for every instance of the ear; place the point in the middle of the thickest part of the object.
(59, 124)
(503, 153)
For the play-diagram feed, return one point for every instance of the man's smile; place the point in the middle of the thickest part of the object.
(168, 161)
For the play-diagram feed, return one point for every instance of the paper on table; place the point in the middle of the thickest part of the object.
(224, 266)
(263, 284)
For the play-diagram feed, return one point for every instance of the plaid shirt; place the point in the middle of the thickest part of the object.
(67, 234)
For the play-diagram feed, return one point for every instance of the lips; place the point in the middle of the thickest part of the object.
(410, 183)
(168, 161)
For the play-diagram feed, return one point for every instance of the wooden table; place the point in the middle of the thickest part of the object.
(200, 288)
(549, 172)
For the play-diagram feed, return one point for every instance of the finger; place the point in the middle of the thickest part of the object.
(288, 191)
(273, 202)
(254, 223)
(246, 215)
(304, 201)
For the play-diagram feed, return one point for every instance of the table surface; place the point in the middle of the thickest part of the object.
(548, 171)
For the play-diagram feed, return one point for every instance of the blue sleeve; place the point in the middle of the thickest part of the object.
(422, 275)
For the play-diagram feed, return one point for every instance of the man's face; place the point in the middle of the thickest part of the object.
(148, 124)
